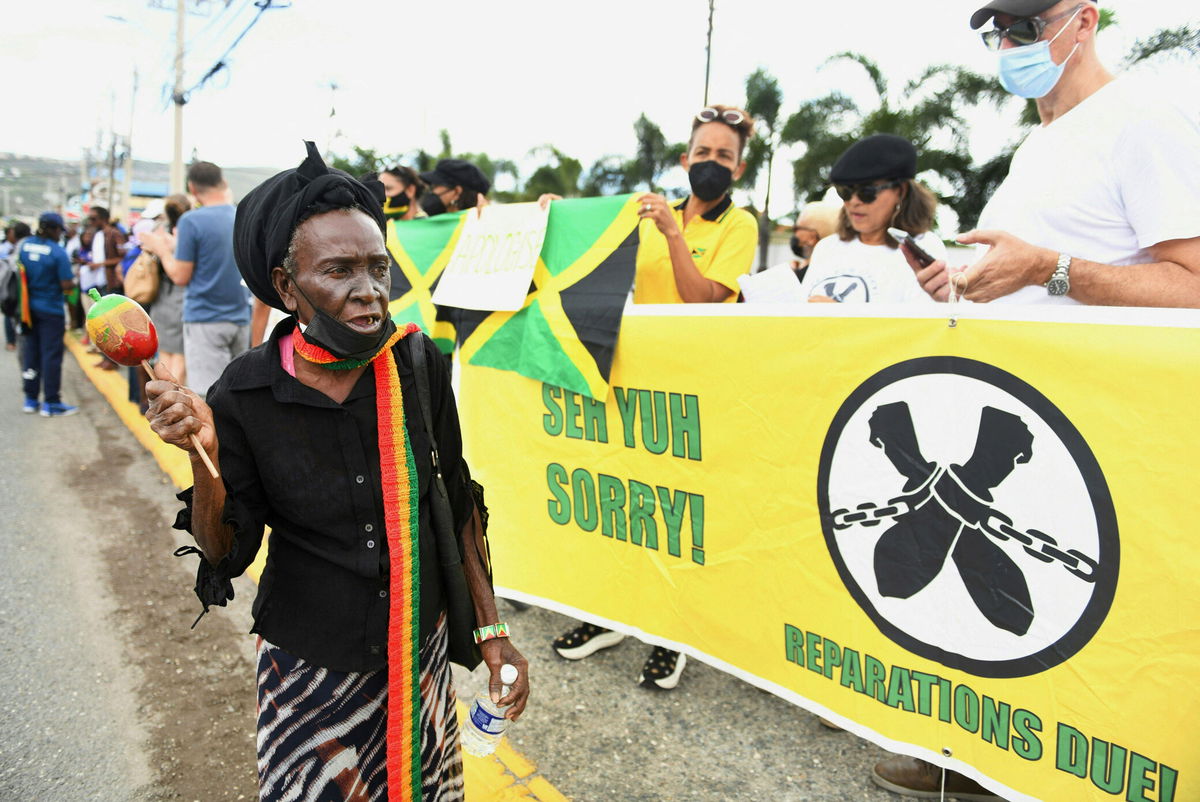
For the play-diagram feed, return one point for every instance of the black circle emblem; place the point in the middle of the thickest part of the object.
(968, 517)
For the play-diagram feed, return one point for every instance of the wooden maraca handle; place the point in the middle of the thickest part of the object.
(212, 469)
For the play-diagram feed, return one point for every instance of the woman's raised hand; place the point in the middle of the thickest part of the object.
(655, 207)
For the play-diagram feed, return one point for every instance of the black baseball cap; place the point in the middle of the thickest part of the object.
(878, 156)
(1017, 8)
(457, 173)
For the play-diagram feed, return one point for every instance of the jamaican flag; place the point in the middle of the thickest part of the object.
(566, 332)
(421, 249)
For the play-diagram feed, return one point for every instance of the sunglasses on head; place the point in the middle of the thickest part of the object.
(1024, 31)
(867, 193)
(730, 116)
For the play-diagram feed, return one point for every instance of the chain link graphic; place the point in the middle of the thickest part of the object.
(997, 525)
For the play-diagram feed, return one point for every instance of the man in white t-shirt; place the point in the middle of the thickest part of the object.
(1100, 204)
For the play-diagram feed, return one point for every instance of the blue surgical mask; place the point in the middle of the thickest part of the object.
(1030, 71)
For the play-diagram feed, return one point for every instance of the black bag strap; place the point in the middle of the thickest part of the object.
(443, 517)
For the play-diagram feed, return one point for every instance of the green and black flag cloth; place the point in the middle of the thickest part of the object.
(421, 249)
(566, 332)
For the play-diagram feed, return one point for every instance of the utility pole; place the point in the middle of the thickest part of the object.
(764, 227)
(177, 98)
(708, 50)
(111, 202)
(127, 184)
(84, 178)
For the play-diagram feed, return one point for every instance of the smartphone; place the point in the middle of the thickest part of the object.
(906, 239)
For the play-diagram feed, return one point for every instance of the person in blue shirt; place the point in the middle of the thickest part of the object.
(47, 275)
(216, 304)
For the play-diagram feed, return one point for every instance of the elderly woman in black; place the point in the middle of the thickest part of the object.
(319, 434)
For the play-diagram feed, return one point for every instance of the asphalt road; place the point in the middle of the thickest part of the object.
(105, 694)
(69, 728)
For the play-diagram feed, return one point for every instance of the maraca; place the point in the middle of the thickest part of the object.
(123, 331)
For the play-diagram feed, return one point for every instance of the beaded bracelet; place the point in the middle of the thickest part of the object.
(499, 630)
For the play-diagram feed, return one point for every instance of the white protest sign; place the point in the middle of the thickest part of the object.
(776, 284)
(493, 263)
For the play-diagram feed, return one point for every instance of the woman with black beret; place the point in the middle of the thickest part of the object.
(320, 434)
(875, 179)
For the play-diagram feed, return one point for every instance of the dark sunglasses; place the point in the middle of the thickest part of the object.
(867, 193)
(1024, 31)
(730, 116)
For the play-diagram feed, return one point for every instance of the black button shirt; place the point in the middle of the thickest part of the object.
(308, 467)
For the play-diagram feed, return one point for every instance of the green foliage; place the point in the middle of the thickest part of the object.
(559, 176)
(764, 100)
(650, 159)
(928, 111)
(610, 175)
(364, 160)
(1181, 42)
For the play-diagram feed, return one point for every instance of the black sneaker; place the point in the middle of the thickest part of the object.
(663, 669)
(584, 640)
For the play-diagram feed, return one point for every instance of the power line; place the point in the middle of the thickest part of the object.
(221, 62)
(194, 42)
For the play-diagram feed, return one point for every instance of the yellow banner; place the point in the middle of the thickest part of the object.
(970, 543)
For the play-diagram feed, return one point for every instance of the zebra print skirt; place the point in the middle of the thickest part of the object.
(322, 733)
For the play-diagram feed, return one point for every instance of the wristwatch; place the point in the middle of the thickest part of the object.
(1060, 280)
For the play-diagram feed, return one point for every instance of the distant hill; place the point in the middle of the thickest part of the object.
(30, 185)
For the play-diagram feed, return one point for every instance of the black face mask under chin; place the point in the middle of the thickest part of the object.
(800, 250)
(709, 180)
(326, 331)
(431, 203)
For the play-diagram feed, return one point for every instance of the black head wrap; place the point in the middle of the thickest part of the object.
(272, 211)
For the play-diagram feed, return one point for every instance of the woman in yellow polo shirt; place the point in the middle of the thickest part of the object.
(693, 250)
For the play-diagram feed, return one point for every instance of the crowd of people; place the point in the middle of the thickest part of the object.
(1098, 208)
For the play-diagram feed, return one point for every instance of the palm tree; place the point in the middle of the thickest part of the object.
(654, 154)
(928, 111)
(763, 102)
(560, 177)
(1183, 41)
(610, 175)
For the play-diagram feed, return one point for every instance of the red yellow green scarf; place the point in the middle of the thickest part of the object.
(25, 312)
(400, 497)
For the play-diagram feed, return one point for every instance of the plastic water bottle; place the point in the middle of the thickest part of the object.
(485, 724)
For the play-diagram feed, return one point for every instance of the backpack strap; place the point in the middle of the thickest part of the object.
(443, 518)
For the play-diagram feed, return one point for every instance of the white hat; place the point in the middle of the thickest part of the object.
(155, 208)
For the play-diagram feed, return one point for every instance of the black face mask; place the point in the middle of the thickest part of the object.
(432, 204)
(397, 207)
(799, 250)
(709, 180)
(326, 331)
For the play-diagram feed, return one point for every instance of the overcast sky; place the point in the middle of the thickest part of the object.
(501, 77)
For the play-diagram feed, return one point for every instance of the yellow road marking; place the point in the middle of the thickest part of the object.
(505, 776)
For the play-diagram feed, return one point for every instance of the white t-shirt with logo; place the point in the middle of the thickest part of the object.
(1112, 177)
(852, 272)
